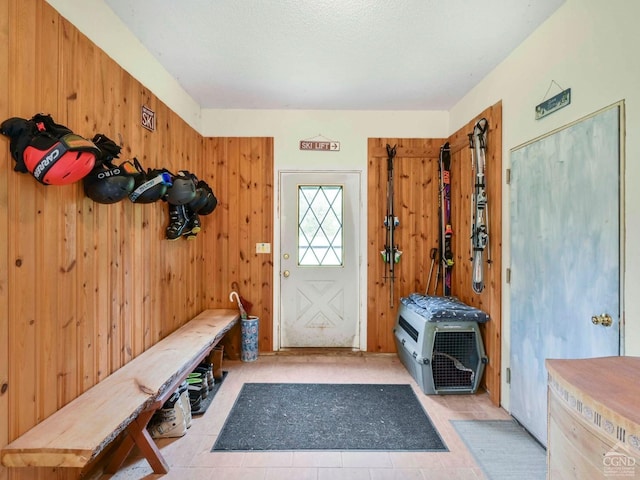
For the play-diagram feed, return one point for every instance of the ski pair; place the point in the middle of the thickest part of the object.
(445, 264)
(391, 253)
(479, 204)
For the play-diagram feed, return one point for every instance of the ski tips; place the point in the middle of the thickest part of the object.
(391, 151)
(481, 125)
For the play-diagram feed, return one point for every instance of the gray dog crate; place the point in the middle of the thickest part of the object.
(439, 343)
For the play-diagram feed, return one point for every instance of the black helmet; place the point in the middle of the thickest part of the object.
(110, 184)
(183, 189)
(149, 186)
(199, 201)
(210, 201)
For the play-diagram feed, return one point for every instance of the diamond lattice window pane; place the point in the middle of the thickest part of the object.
(320, 225)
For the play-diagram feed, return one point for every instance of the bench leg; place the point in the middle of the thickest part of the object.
(138, 435)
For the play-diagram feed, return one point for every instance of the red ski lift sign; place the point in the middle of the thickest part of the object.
(324, 146)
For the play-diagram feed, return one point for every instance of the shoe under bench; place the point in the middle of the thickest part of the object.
(121, 405)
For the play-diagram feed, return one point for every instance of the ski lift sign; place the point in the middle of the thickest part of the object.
(321, 146)
(553, 104)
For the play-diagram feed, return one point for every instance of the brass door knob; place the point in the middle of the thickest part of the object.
(603, 319)
(285, 274)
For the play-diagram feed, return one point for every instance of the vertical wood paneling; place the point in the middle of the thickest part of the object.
(415, 183)
(416, 205)
(45, 377)
(84, 287)
(265, 212)
(490, 299)
(62, 224)
(261, 213)
(5, 173)
(21, 230)
(230, 234)
(242, 180)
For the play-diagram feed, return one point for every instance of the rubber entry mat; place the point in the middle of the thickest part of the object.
(504, 449)
(300, 416)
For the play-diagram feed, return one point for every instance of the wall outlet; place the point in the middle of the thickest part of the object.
(263, 248)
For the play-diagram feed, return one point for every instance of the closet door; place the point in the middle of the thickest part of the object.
(565, 256)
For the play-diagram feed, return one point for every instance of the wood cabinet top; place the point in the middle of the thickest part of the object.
(613, 383)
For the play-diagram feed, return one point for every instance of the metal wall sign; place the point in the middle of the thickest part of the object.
(322, 146)
(553, 104)
(148, 118)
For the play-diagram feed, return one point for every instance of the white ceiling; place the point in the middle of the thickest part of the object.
(331, 54)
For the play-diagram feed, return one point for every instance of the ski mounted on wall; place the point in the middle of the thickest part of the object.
(391, 253)
(446, 232)
(479, 204)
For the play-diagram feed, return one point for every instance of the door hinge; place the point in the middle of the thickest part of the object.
(508, 274)
(508, 176)
(508, 375)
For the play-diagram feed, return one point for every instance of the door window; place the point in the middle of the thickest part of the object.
(320, 232)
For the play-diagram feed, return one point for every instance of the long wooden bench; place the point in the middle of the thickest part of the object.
(123, 402)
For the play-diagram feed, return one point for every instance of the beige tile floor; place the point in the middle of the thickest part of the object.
(189, 457)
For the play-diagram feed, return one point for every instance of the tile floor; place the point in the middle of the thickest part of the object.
(190, 457)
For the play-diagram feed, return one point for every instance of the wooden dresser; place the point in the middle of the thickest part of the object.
(593, 418)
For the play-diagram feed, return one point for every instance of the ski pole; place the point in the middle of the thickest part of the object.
(433, 260)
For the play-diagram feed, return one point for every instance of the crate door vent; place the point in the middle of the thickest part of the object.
(455, 359)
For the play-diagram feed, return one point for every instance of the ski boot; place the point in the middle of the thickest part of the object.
(178, 222)
(206, 368)
(193, 225)
(197, 392)
(183, 391)
(169, 421)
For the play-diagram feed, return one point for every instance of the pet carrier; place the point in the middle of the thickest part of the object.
(439, 343)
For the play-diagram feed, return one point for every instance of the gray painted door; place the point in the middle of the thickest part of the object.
(565, 255)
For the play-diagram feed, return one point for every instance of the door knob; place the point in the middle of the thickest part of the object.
(285, 274)
(602, 319)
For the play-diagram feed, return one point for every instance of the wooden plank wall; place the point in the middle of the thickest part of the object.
(415, 176)
(491, 297)
(416, 205)
(84, 287)
(4, 238)
(241, 174)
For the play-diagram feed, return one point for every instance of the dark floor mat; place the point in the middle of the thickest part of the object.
(300, 416)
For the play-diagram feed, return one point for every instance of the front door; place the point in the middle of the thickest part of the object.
(565, 256)
(319, 259)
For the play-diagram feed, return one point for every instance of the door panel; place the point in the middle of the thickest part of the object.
(319, 258)
(565, 256)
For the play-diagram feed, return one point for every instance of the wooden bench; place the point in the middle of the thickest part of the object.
(123, 402)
